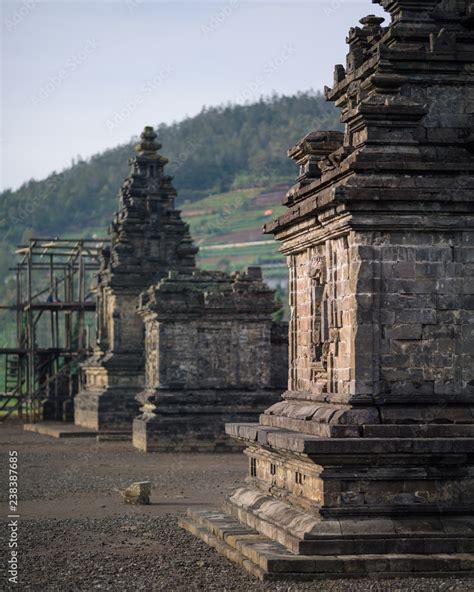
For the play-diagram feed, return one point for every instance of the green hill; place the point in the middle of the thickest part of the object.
(230, 169)
(221, 148)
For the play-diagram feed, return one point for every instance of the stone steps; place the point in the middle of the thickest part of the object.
(192, 524)
(268, 560)
(304, 533)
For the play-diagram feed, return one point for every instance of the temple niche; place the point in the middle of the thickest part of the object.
(178, 346)
(366, 463)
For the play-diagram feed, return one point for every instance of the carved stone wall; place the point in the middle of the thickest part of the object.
(409, 324)
(320, 297)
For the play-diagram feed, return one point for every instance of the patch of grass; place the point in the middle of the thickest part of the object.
(234, 199)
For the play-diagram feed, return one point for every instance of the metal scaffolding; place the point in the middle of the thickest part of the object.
(55, 325)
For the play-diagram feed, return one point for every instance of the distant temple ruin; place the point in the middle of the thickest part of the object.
(148, 239)
(208, 334)
(367, 463)
(213, 352)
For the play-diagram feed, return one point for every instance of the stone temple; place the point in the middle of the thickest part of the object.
(366, 465)
(148, 239)
(211, 353)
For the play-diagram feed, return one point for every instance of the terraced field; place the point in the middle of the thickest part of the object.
(228, 229)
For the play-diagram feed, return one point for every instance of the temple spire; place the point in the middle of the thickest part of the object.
(147, 146)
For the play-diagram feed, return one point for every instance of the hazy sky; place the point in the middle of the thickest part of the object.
(79, 76)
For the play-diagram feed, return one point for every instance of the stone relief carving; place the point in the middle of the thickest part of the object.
(320, 333)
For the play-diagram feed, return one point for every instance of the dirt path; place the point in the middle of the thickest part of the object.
(75, 533)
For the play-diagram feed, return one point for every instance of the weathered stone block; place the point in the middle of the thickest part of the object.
(404, 331)
(138, 493)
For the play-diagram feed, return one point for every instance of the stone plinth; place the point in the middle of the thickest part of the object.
(367, 463)
(213, 355)
(111, 384)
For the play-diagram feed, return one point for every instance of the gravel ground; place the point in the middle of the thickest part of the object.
(77, 535)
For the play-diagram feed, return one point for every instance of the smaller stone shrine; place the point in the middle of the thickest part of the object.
(213, 354)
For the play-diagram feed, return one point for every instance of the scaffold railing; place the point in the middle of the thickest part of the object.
(54, 316)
